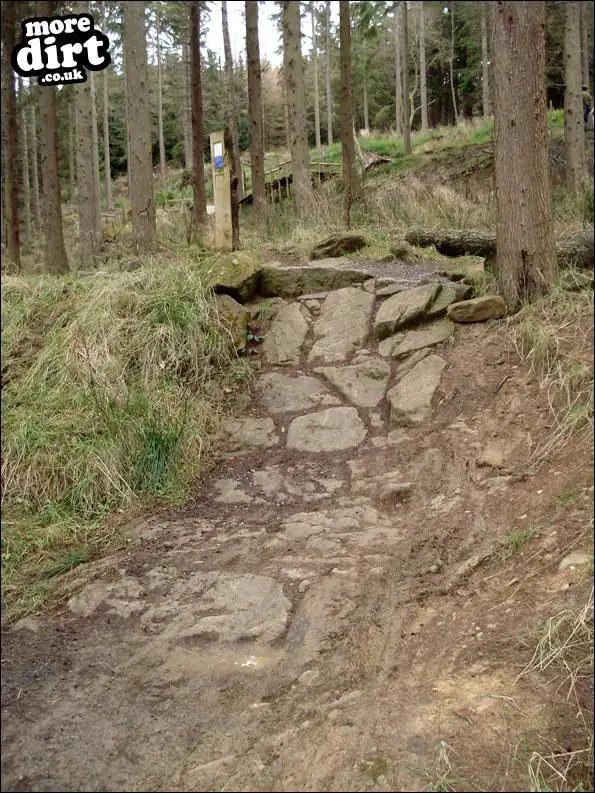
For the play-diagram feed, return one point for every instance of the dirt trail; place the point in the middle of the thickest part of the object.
(314, 620)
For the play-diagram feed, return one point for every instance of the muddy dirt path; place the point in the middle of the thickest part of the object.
(311, 620)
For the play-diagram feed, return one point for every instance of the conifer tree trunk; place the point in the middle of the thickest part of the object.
(140, 163)
(451, 8)
(86, 167)
(71, 150)
(255, 110)
(32, 135)
(162, 167)
(405, 79)
(347, 133)
(585, 42)
(11, 144)
(25, 165)
(485, 73)
(55, 252)
(232, 102)
(328, 76)
(422, 67)
(200, 201)
(398, 85)
(524, 233)
(109, 201)
(574, 136)
(186, 107)
(97, 179)
(365, 84)
(316, 96)
(293, 66)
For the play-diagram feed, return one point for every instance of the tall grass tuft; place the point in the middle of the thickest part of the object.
(105, 404)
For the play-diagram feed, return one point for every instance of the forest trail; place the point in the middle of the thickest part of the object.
(330, 613)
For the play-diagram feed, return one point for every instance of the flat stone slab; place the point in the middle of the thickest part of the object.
(403, 308)
(403, 344)
(411, 398)
(326, 431)
(479, 309)
(446, 296)
(342, 327)
(363, 383)
(250, 432)
(290, 282)
(254, 607)
(281, 393)
(283, 342)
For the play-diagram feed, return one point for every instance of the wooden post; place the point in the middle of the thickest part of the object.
(221, 192)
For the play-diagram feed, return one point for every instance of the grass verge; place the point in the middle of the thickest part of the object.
(108, 405)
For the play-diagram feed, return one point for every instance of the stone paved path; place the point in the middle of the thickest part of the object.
(238, 642)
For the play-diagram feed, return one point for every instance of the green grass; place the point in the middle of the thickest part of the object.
(105, 409)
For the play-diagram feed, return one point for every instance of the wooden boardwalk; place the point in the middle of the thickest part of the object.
(278, 180)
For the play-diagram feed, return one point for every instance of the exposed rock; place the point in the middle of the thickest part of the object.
(235, 317)
(444, 298)
(289, 282)
(463, 291)
(266, 309)
(392, 289)
(412, 360)
(363, 384)
(229, 492)
(573, 281)
(478, 309)
(370, 285)
(575, 559)
(405, 343)
(326, 431)
(402, 250)
(342, 327)
(281, 393)
(255, 607)
(337, 245)
(250, 432)
(411, 397)
(314, 296)
(284, 339)
(387, 486)
(403, 309)
(269, 480)
(236, 274)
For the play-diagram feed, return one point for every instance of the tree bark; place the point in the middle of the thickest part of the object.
(398, 84)
(329, 94)
(451, 8)
(527, 265)
(97, 179)
(485, 73)
(316, 96)
(71, 149)
(32, 133)
(405, 79)
(233, 101)
(162, 166)
(255, 107)
(574, 136)
(347, 134)
(186, 109)
(585, 42)
(296, 99)
(365, 86)
(422, 67)
(198, 186)
(86, 167)
(109, 201)
(235, 204)
(573, 250)
(25, 165)
(11, 143)
(140, 161)
(55, 252)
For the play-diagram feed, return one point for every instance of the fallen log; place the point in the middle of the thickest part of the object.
(573, 250)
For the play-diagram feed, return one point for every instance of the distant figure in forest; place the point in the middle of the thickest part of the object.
(587, 102)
